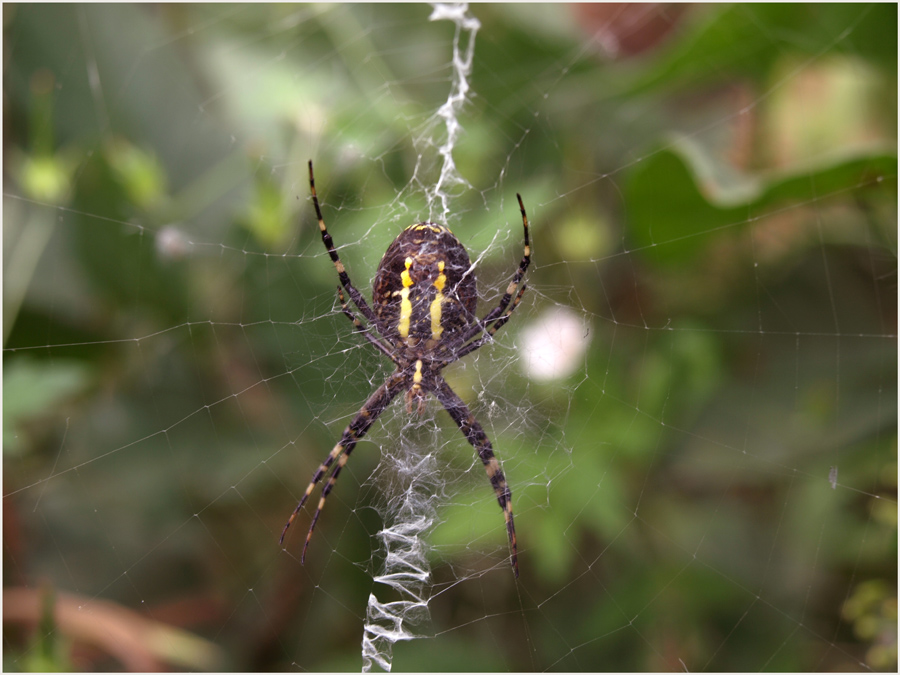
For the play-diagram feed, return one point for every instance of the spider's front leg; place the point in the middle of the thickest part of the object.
(371, 410)
(473, 432)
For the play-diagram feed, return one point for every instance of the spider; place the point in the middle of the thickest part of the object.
(424, 299)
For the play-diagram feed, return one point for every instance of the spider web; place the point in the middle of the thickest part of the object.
(415, 485)
(695, 404)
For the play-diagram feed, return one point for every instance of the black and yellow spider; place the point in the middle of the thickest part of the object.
(424, 296)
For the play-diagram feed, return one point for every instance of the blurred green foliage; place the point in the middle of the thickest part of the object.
(719, 204)
(48, 654)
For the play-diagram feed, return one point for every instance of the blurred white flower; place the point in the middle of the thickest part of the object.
(552, 347)
(172, 244)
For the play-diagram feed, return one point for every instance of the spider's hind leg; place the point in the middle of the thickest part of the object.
(364, 330)
(355, 295)
(516, 282)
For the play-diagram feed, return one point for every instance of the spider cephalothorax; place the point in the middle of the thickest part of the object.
(424, 296)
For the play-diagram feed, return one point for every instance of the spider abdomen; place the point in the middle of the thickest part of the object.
(424, 292)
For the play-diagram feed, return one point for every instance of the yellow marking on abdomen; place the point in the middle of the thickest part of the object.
(437, 229)
(436, 327)
(417, 376)
(405, 304)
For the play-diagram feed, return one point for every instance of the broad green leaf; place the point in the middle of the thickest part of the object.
(32, 389)
(680, 201)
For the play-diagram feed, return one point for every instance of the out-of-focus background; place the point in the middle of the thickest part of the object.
(695, 405)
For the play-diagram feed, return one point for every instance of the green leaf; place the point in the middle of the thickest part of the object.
(724, 41)
(680, 197)
(33, 389)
